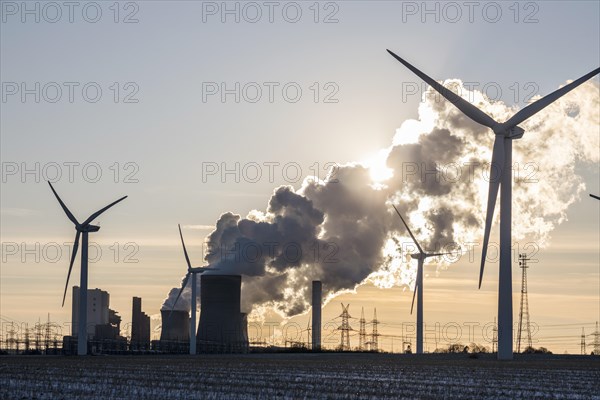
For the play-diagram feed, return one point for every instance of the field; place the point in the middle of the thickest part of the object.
(300, 376)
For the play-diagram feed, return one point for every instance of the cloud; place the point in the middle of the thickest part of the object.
(345, 233)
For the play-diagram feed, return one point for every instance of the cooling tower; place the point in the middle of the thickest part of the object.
(316, 315)
(175, 327)
(223, 328)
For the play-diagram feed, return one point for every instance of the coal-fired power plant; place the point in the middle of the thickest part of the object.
(316, 315)
(223, 327)
(175, 326)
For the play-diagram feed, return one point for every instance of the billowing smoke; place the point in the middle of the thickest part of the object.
(344, 232)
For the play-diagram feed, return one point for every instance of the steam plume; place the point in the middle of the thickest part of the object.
(343, 232)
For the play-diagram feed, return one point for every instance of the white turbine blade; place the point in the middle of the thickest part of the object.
(542, 103)
(414, 295)
(64, 207)
(467, 108)
(187, 259)
(408, 229)
(97, 213)
(73, 254)
(498, 163)
(183, 285)
(594, 196)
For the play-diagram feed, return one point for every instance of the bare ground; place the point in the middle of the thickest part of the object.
(300, 376)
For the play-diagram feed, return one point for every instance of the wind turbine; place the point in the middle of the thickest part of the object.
(421, 256)
(594, 196)
(82, 229)
(505, 133)
(190, 271)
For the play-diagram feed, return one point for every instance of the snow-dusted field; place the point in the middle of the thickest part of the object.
(299, 376)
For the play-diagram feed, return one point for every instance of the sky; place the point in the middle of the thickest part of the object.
(148, 107)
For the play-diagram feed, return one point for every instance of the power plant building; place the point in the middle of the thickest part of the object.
(97, 310)
(140, 326)
(103, 324)
(317, 297)
(175, 326)
(223, 327)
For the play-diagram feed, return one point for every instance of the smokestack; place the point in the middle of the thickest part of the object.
(223, 327)
(316, 315)
(175, 327)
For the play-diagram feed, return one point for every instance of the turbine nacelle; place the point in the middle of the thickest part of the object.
(88, 228)
(513, 132)
(516, 132)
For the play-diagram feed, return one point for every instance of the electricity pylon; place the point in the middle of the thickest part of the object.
(524, 309)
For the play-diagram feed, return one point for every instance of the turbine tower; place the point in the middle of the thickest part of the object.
(418, 292)
(190, 271)
(83, 230)
(505, 133)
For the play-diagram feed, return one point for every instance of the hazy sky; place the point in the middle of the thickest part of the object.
(158, 124)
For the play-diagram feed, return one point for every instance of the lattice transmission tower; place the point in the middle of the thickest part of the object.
(596, 343)
(524, 321)
(345, 328)
(362, 331)
(374, 342)
(583, 341)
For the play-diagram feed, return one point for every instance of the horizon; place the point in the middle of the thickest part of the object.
(201, 120)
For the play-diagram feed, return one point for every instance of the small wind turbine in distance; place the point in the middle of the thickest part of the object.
(594, 196)
(190, 271)
(420, 257)
(82, 229)
(505, 133)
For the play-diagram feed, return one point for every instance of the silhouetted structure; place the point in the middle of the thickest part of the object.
(98, 302)
(421, 256)
(374, 343)
(103, 325)
(83, 229)
(524, 308)
(175, 326)
(140, 327)
(316, 315)
(504, 133)
(190, 272)
(223, 327)
(596, 342)
(345, 329)
(362, 332)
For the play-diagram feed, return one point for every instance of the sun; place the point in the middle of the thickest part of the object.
(378, 169)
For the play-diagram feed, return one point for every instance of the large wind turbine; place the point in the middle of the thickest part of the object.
(420, 257)
(82, 229)
(190, 271)
(505, 133)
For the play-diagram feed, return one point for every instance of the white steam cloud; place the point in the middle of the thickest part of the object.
(343, 230)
